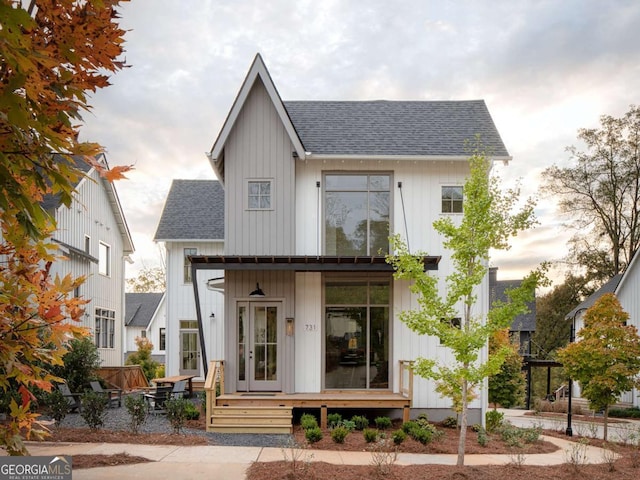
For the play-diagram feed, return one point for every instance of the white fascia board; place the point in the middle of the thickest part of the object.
(189, 240)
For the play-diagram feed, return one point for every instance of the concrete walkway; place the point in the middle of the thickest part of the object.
(218, 463)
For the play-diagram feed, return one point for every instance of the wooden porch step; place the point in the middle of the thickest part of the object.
(244, 419)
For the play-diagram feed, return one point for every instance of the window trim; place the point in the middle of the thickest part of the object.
(104, 328)
(162, 339)
(271, 183)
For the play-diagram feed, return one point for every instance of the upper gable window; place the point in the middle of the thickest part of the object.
(452, 199)
(104, 259)
(356, 213)
(188, 252)
(259, 194)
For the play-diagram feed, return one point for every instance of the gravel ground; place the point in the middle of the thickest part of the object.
(118, 419)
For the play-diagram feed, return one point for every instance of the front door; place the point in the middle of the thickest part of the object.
(189, 348)
(259, 339)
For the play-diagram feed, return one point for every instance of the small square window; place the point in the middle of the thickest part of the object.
(259, 194)
(452, 199)
(104, 259)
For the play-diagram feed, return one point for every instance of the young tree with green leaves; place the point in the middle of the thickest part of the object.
(606, 357)
(143, 358)
(489, 220)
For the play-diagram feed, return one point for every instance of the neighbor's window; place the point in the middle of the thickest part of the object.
(451, 199)
(105, 328)
(356, 214)
(259, 194)
(163, 339)
(104, 259)
(187, 263)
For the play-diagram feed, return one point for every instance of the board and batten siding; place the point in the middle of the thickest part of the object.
(278, 286)
(90, 213)
(422, 183)
(258, 148)
(308, 332)
(181, 305)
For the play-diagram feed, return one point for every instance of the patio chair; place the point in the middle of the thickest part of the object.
(155, 399)
(179, 389)
(73, 399)
(114, 395)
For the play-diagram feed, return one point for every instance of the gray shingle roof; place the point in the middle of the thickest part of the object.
(609, 287)
(140, 307)
(522, 323)
(194, 210)
(394, 127)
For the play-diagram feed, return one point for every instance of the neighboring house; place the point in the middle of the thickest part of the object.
(312, 191)
(625, 286)
(192, 223)
(523, 326)
(146, 317)
(93, 234)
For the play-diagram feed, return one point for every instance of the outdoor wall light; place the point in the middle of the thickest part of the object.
(257, 292)
(290, 327)
(212, 316)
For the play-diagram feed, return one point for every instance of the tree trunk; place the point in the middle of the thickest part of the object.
(605, 423)
(463, 425)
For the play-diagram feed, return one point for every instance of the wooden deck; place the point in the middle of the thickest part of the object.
(323, 401)
(273, 410)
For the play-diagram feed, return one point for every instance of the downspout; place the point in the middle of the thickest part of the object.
(203, 344)
(319, 223)
(404, 215)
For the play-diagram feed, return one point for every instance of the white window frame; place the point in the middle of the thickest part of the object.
(104, 259)
(271, 183)
(451, 201)
(105, 327)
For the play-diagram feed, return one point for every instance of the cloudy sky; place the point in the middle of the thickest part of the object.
(545, 69)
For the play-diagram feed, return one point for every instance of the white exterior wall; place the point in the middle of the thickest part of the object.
(421, 191)
(91, 214)
(180, 303)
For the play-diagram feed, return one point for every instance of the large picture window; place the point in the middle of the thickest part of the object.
(357, 214)
(357, 334)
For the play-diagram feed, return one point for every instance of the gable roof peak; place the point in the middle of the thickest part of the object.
(258, 70)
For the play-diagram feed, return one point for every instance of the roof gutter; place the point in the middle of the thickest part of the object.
(415, 158)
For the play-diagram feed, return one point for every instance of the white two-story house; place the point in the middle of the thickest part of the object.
(93, 235)
(312, 192)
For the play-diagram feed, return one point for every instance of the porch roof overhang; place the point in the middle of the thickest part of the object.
(301, 263)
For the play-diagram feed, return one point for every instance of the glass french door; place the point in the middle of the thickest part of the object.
(259, 337)
(189, 349)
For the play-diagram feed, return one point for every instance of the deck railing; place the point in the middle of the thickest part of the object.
(213, 385)
(406, 379)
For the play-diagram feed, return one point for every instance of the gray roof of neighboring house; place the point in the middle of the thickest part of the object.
(522, 323)
(194, 210)
(609, 287)
(140, 307)
(410, 128)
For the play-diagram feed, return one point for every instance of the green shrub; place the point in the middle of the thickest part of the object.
(383, 422)
(476, 427)
(361, 422)
(94, 409)
(450, 422)
(370, 435)
(516, 437)
(137, 408)
(483, 438)
(56, 406)
(494, 419)
(399, 436)
(177, 412)
(407, 427)
(80, 364)
(314, 434)
(338, 434)
(348, 424)
(421, 430)
(334, 419)
(191, 413)
(422, 435)
(308, 421)
(633, 412)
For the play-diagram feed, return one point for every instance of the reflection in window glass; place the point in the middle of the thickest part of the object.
(452, 199)
(259, 194)
(357, 217)
(357, 335)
